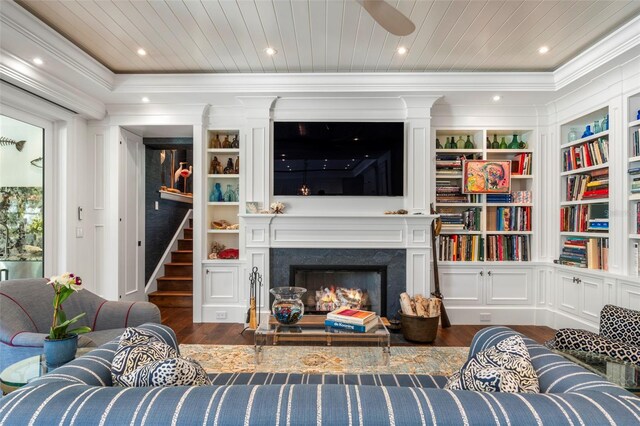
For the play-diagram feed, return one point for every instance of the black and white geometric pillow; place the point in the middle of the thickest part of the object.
(505, 367)
(168, 372)
(621, 324)
(571, 339)
(137, 348)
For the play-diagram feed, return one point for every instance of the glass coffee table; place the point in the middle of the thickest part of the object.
(311, 331)
(22, 372)
(623, 374)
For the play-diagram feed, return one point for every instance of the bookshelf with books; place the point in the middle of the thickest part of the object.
(584, 191)
(484, 227)
(633, 184)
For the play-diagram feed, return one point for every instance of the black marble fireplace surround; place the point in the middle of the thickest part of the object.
(282, 259)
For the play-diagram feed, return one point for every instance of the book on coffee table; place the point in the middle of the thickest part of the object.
(352, 316)
(338, 326)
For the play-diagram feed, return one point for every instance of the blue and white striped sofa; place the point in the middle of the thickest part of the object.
(81, 393)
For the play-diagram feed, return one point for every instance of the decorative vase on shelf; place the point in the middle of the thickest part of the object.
(495, 144)
(587, 131)
(216, 194)
(488, 143)
(438, 146)
(468, 144)
(596, 127)
(460, 143)
(605, 123)
(637, 115)
(287, 308)
(235, 143)
(450, 144)
(230, 195)
(503, 143)
(522, 144)
(573, 135)
(514, 143)
(58, 352)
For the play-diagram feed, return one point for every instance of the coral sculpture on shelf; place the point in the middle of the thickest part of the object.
(277, 207)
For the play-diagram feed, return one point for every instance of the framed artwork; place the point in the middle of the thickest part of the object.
(486, 176)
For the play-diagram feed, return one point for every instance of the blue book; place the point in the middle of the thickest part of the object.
(340, 325)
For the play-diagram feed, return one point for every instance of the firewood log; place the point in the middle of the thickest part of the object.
(405, 304)
(420, 308)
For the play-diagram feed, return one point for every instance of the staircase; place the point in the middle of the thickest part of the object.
(175, 288)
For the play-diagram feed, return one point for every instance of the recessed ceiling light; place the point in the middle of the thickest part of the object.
(402, 50)
(543, 50)
(38, 61)
(142, 52)
(270, 51)
(496, 98)
(145, 99)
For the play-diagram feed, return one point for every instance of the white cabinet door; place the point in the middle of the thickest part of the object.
(461, 287)
(629, 295)
(220, 285)
(568, 292)
(509, 286)
(591, 297)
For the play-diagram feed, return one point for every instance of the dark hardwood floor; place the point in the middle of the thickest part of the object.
(180, 320)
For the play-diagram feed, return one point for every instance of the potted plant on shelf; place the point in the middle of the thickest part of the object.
(61, 344)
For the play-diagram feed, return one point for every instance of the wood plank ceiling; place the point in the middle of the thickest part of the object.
(330, 35)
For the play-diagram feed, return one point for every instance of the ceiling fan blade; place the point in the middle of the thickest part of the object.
(389, 18)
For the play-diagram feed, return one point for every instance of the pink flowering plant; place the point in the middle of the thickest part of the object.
(64, 286)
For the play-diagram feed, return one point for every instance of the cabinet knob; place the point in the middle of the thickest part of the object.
(481, 273)
(489, 273)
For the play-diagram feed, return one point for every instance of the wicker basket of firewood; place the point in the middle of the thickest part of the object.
(420, 317)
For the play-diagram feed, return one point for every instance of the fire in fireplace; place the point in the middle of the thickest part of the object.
(332, 286)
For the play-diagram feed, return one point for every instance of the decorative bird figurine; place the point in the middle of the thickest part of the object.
(185, 173)
(176, 175)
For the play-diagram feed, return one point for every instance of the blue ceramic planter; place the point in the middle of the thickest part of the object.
(60, 351)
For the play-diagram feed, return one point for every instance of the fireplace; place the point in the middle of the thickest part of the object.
(332, 286)
(381, 273)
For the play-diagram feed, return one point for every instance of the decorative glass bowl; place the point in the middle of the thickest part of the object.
(287, 308)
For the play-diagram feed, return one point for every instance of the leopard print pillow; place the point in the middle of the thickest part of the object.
(168, 372)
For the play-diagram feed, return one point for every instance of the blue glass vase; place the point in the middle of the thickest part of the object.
(587, 131)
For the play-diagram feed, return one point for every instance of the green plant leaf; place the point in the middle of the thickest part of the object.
(64, 295)
(80, 330)
(62, 317)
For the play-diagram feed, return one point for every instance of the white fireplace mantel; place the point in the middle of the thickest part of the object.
(337, 231)
(340, 231)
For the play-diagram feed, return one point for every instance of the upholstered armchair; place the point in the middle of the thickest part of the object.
(26, 311)
(618, 338)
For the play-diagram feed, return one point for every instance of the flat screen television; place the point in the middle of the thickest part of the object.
(338, 158)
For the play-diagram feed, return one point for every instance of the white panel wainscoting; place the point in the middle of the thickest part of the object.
(220, 284)
(509, 286)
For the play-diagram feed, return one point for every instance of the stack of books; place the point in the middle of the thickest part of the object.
(356, 320)
(598, 185)
(522, 197)
(589, 253)
(635, 143)
(513, 218)
(457, 221)
(586, 155)
(499, 198)
(449, 192)
(448, 165)
(635, 182)
(508, 248)
(458, 248)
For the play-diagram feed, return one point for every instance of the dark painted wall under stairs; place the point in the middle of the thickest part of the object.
(161, 224)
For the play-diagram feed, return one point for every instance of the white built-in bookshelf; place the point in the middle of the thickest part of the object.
(584, 191)
(223, 189)
(633, 183)
(484, 227)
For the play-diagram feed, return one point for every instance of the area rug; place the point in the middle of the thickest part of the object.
(321, 359)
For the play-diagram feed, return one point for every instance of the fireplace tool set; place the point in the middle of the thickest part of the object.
(253, 314)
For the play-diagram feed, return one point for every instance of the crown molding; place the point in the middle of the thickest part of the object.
(332, 82)
(30, 78)
(607, 49)
(15, 18)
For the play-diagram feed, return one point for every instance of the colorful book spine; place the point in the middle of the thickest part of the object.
(341, 325)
